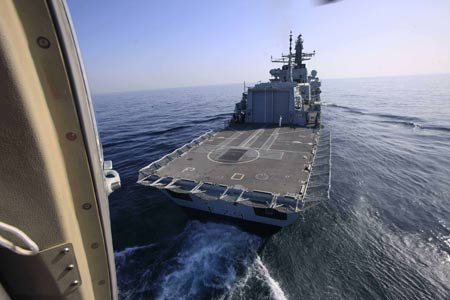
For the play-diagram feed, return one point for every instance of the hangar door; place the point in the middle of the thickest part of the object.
(269, 105)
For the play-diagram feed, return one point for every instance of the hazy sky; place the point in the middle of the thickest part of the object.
(142, 44)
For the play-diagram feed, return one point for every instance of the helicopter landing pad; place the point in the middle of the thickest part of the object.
(249, 156)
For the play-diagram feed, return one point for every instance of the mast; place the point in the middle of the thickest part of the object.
(291, 61)
(290, 57)
(299, 50)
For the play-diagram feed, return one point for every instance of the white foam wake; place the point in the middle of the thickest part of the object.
(212, 261)
(275, 288)
(257, 270)
(210, 257)
(121, 256)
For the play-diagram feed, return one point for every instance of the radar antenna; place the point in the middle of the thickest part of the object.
(299, 50)
(286, 58)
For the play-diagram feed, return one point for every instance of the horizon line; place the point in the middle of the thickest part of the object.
(251, 83)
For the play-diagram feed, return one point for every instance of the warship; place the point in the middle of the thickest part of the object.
(268, 165)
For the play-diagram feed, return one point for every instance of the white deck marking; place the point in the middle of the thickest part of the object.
(237, 176)
(233, 163)
(280, 150)
(270, 140)
(229, 140)
(251, 139)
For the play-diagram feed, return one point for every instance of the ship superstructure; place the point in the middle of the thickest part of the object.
(268, 165)
(292, 97)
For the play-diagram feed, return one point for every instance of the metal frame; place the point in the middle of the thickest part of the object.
(81, 94)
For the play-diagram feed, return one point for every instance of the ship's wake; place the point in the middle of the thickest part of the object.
(205, 261)
(412, 122)
(256, 284)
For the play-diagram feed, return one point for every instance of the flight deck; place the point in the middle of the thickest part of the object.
(250, 157)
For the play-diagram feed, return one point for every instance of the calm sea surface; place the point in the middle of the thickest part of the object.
(384, 234)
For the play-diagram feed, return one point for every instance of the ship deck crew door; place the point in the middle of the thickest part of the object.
(281, 106)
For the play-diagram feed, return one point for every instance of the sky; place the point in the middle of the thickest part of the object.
(147, 44)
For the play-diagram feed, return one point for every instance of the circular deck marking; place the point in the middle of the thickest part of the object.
(262, 176)
(215, 154)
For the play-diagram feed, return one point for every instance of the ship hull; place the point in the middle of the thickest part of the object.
(245, 216)
(249, 226)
